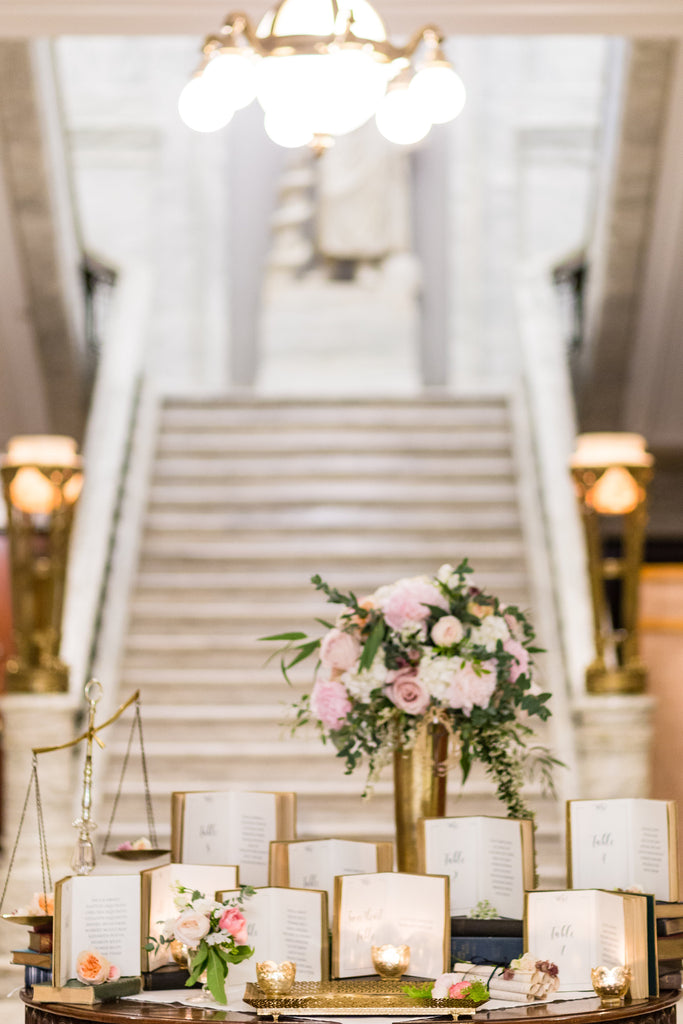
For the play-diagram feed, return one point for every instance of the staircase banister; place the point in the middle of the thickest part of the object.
(550, 403)
(107, 436)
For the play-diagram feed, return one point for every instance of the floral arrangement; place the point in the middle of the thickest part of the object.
(427, 649)
(449, 986)
(93, 969)
(143, 843)
(42, 904)
(214, 934)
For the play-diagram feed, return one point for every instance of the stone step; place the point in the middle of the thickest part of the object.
(328, 520)
(294, 585)
(192, 723)
(309, 553)
(303, 495)
(326, 441)
(288, 465)
(161, 681)
(450, 415)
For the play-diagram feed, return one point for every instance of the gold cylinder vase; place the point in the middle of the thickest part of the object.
(419, 788)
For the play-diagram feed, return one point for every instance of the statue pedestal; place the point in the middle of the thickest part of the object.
(614, 735)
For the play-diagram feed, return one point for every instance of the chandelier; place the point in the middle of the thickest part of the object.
(322, 68)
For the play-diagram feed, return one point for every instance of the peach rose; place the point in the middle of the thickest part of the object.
(91, 967)
(114, 973)
(235, 923)
(339, 650)
(447, 631)
(191, 927)
(406, 691)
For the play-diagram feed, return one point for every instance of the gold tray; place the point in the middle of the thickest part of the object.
(354, 997)
(39, 922)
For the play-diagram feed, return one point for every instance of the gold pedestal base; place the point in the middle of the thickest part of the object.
(36, 678)
(626, 679)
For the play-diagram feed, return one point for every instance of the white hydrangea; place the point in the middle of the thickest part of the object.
(216, 938)
(359, 685)
(492, 629)
(436, 675)
(447, 575)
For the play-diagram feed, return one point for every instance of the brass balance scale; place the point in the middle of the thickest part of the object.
(84, 859)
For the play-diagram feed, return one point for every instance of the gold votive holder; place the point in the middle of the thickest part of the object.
(611, 984)
(275, 979)
(390, 962)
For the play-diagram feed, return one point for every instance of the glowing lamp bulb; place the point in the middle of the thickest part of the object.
(286, 130)
(201, 108)
(232, 76)
(439, 92)
(400, 119)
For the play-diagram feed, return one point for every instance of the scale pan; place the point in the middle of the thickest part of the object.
(32, 920)
(135, 854)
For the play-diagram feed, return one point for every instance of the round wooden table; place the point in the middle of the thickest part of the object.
(661, 1010)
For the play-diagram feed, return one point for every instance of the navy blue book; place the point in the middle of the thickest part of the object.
(487, 949)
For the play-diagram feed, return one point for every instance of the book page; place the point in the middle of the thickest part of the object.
(600, 843)
(104, 915)
(501, 866)
(282, 924)
(611, 933)
(314, 865)
(650, 838)
(208, 829)
(562, 927)
(392, 908)
(451, 848)
(254, 826)
(206, 878)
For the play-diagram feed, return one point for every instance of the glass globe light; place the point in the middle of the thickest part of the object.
(289, 132)
(439, 91)
(334, 93)
(318, 18)
(400, 119)
(201, 109)
(232, 74)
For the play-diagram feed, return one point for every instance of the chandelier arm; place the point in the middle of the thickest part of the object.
(426, 33)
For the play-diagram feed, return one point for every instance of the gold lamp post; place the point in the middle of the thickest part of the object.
(42, 479)
(611, 473)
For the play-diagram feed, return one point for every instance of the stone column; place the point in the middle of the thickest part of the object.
(614, 735)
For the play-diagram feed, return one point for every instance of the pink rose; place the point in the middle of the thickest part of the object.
(235, 923)
(468, 688)
(407, 603)
(456, 991)
(114, 973)
(447, 631)
(330, 702)
(521, 656)
(406, 691)
(339, 650)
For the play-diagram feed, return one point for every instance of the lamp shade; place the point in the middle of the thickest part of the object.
(610, 449)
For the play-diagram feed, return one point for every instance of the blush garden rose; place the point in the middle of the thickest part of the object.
(430, 648)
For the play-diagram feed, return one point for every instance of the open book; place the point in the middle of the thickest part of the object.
(157, 898)
(582, 928)
(285, 924)
(96, 924)
(485, 858)
(314, 863)
(233, 827)
(623, 843)
(391, 907)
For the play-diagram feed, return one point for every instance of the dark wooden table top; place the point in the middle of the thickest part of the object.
(660, 1010)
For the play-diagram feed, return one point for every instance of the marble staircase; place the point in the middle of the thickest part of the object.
(247, 499)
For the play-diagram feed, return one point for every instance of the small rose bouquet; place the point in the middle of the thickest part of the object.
(449, 986)
(214, 934)
(93, 969)
(432, 649)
